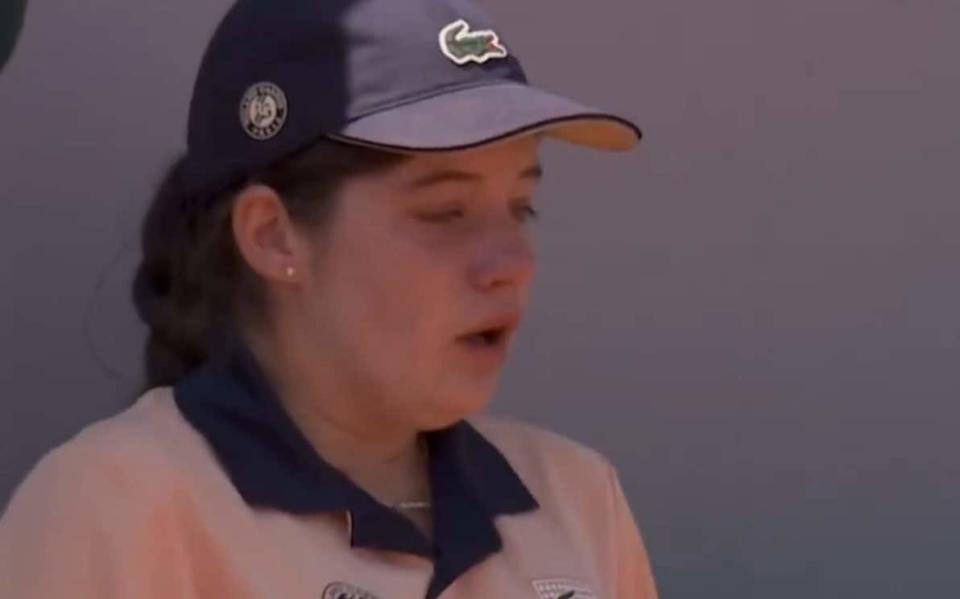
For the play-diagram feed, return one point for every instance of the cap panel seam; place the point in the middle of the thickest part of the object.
(421, 95)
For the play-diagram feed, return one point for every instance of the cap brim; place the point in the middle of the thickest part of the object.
(485, 114)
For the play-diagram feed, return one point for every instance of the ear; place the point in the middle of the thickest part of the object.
(264, 235)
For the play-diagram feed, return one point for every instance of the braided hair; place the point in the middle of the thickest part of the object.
(192, 286)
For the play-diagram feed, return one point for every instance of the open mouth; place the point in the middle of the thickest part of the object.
(486, 338)
(492, 335)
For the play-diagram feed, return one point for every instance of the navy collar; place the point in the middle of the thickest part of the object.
(232, 404)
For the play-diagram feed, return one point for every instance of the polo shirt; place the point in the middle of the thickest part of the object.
(208, 489)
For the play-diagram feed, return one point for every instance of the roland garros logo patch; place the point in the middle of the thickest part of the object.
(461, 45)
(263, 110)
(342, 590)
(562, 588)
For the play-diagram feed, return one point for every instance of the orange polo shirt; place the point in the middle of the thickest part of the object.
(208, 489)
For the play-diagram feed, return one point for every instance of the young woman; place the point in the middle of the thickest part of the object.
(331, 277)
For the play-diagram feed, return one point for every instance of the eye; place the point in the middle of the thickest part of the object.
(528, 213)
(442, 217)
(524, 212)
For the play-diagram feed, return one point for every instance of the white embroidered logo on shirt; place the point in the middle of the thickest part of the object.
(562, 588)
(342, 590)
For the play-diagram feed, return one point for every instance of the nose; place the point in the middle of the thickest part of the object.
(504, 259)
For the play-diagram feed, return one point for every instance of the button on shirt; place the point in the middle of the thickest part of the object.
(209, 489)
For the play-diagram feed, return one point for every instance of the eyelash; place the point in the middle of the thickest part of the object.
(532, 214)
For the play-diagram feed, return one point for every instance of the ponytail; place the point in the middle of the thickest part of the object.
(192, 288)
(185, 272)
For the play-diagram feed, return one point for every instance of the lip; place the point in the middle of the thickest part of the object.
(505, 322)
(490, 356)
(484, 355)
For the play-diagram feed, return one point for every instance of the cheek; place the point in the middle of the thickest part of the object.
(393, 298)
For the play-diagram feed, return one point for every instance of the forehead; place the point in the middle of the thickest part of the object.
(507, 162)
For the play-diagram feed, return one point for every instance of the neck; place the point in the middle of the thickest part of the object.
(391, 465)
(386, 459)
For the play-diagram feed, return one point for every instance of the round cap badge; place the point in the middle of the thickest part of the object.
(263, 110)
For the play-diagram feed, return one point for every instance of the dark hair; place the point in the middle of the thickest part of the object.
(192, 286)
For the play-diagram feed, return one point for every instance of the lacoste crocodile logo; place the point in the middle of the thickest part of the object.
(461, 45)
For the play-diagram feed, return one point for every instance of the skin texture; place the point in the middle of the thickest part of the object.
(362, 341)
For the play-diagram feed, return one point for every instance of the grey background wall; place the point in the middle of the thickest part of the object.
(755, 315)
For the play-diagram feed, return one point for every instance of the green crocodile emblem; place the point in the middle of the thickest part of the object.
(461, 45)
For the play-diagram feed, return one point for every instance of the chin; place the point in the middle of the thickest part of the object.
(445, 413)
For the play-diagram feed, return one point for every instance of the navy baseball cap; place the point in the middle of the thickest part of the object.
(398, 75)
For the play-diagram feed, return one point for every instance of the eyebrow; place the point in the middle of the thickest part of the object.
(535, 172)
